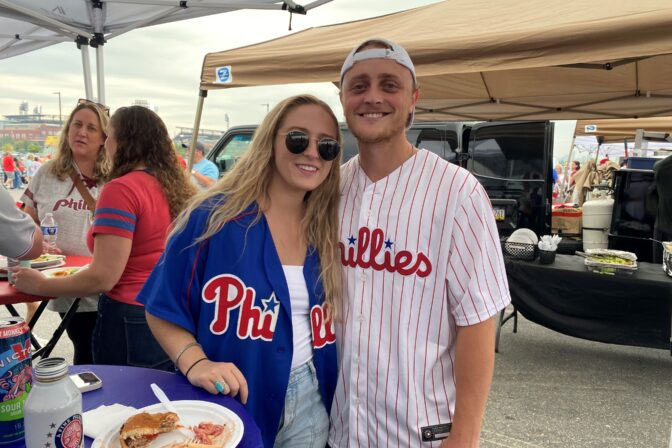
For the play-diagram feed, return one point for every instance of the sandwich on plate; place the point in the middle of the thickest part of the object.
(141, 429)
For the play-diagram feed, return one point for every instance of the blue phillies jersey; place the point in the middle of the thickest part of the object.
(230, 292)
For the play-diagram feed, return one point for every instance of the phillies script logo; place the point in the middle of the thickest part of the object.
(228, 292)
(322, 325)
(363, 251)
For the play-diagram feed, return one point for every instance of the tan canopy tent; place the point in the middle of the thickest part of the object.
(618, 130)
(490, 60)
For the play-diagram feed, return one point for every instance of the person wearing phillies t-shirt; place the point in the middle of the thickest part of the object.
(145, 191)
(52, 189)
(423, 272)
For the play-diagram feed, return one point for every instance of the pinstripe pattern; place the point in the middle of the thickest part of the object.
(421, 256)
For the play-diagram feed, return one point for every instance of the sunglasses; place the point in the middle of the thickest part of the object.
(102, 106)
(298, 141)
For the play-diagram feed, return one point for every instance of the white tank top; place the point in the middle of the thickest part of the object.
(298, 296)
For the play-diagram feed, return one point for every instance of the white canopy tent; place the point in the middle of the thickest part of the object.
(27, 25)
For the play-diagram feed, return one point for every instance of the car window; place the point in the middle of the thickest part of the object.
(232, 150)
(512, 152)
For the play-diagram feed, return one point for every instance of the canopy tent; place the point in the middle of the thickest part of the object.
(488, 60)
(27, 25)
(618, 130)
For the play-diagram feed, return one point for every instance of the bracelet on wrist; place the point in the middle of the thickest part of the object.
(184, 349)
(186, 374)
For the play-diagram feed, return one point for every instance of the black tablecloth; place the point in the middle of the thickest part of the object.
(564, 296)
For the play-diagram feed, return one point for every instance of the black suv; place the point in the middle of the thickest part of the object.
(512, 160)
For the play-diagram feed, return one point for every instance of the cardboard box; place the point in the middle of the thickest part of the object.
(566, 221)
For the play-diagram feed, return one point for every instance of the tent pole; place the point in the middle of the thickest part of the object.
(83, 45)
(197, 123)
(100, 74)
(566, 170)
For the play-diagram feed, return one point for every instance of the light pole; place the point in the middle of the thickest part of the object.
(265, 104)
(60, 115)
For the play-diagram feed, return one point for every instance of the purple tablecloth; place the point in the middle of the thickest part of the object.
(130, 386)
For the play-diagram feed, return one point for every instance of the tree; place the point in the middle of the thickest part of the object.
(34, 148)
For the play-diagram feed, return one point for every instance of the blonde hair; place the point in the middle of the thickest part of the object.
(248, 182)
(63, 164)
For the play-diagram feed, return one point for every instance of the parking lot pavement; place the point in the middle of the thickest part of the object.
(552, 390)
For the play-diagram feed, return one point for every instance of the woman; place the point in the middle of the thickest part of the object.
(145, 192)
(59, 188)
(240, 300)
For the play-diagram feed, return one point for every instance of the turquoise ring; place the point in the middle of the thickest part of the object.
(220, 387)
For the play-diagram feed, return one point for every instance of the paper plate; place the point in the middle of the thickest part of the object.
(47, 261)
(191, 414)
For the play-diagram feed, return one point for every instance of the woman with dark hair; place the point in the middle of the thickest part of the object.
(67, 187)
(145, 192)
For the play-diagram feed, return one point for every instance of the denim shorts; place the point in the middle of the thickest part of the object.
(122, 337)
(304, 421)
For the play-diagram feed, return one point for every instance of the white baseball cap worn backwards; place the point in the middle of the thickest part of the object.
(393, 52)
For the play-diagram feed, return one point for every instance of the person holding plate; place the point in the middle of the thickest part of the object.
(242, 298)
(145, 190)
(67, 187)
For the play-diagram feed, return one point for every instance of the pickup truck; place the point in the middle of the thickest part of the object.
(513, 161)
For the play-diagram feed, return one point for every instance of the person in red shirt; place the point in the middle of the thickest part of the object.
(9, 168)
(146, 191)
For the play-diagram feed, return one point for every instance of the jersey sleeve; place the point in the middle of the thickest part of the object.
(477, 285)
(172, 290)
(117, 210)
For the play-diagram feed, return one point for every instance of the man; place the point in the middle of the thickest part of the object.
(20, 237)
(204, 173)
(424, 274)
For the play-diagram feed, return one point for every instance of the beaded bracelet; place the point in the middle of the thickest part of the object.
(184, 349)
(186, 374)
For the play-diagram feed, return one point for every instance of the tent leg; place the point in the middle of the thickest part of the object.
(100, 74)
(197, 123)
(86, 66)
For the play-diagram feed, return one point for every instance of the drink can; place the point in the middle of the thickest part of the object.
(15, 377)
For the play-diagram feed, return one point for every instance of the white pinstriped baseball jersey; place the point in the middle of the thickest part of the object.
(421, 254)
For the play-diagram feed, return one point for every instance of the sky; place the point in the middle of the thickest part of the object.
(162, 64)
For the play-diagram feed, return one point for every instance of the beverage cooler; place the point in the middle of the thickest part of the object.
(632, 223)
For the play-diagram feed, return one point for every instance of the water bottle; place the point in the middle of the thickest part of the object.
(53, 410)
(49, 229)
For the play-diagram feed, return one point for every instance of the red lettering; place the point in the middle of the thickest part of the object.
(323, 326)
(226, 291)
(370, 246)
(253, 322)
(21, 352)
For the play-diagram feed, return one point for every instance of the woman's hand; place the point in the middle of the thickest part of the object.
(208, 374)
(28, 280)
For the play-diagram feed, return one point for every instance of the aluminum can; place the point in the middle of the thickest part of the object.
(53, 410)
(15, 377)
